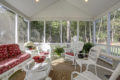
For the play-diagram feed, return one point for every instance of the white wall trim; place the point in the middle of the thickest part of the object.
(44, 31)
(62, 18)
(94, 32)
(16, 28)
(28, 31)
(108, 33)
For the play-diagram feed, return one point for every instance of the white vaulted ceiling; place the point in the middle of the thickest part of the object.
(30, 7)
(62, 9)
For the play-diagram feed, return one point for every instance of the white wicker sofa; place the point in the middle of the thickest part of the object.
(11, 60)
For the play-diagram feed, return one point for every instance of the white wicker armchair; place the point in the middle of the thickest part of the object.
(87, 75)
(71, 53)
(92, 58)
(44, 49)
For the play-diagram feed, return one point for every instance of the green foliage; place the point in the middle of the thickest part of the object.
(73, 28)
(37, 28)
(52, 31)
(87, 47)
(58, 50)
(64, 31)
(85, 30)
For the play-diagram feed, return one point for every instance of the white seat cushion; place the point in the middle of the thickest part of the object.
(87, 75)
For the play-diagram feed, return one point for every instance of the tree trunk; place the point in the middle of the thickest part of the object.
(99, 30)
(90, 32)
(68, 31)
(86, 34)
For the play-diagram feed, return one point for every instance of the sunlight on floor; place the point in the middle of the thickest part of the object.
(56, 62)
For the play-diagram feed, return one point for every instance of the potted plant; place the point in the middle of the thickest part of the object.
(29, 45)
(58, 50)
(85, 50)
(81, 55)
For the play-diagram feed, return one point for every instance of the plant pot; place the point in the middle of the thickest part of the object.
(80, 55)
(86, 55)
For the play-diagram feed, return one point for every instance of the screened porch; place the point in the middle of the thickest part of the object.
(55, 23)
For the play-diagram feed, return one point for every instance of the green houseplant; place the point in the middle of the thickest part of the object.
(58, 50)
(87, 47)
(85, 50)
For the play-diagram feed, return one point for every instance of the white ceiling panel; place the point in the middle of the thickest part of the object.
(62, 8)
(30, 7)
(94, 7)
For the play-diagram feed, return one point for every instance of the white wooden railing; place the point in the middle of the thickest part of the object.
(114, 49)
(53, 45)
(108, 56)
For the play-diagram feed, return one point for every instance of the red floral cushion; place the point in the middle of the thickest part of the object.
(23, 57)
(13, 50)
(8, 64)
(3, 69)
(3, 52)
(39, 59)
(44, 53)
(69, 53)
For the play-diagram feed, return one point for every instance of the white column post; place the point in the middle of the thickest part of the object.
(16, 28)
(94, 32)
(61, 31)
(44, 31)
(108, 33)
(28, 31)
(78, 30)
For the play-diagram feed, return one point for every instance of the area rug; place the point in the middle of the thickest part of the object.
(62, 69)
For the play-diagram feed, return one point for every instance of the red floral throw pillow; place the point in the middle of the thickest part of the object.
(13, 50)
(3, 52)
